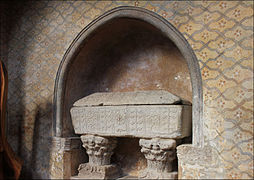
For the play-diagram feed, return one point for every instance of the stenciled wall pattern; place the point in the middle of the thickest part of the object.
(220, 33)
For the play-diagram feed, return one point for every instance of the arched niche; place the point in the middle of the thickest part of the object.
(105, 31)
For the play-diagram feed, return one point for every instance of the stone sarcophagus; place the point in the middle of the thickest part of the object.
(156, 117)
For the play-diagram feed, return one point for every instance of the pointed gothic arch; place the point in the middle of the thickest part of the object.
(148, 17)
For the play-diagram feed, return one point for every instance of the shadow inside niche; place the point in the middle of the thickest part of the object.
(40, 157)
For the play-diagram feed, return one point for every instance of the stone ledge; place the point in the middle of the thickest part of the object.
(193, 155)
(66, 143)
(195, 162)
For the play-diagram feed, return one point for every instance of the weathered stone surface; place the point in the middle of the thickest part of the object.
(99, 150)
(66, 155)
(199, 163)
(128, 177)
(90, 171)
(132, 114)
(159, 154)
(146, 121)
(128, 98)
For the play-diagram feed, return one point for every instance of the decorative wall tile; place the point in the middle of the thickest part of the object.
(220, 33)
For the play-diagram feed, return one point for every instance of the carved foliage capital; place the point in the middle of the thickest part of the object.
(158, 149)
(99, 149)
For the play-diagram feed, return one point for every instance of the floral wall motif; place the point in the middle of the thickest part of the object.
(34, 41)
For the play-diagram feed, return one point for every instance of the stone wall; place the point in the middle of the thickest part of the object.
(35, 36)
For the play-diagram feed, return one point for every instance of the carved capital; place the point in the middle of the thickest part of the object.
(159, 154)
(99, 149)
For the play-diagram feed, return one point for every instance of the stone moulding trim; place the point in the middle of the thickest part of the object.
(167, 29)
(66, 144)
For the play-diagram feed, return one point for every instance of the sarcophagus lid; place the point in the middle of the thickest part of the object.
(144, 114)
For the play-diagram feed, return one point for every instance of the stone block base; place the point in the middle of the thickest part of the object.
(128, 177)
(199, 163)
(145, 174)
(89, 171)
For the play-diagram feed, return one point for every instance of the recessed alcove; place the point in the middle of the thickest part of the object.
(126, 54)
(127, 49)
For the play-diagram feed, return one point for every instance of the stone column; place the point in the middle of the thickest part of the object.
(63, 163)
(99, 150)
(159, 154)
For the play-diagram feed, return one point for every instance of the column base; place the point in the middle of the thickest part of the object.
(90, 171)
(146, 174)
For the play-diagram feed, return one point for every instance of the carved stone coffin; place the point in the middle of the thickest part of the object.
(143, 114)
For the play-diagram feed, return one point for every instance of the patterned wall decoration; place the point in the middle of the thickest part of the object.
(220, 33)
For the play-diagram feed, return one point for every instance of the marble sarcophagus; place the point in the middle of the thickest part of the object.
(156, 117)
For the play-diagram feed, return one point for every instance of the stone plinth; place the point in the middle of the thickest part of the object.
(99, 150)
(199, 163)
(90, 171)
